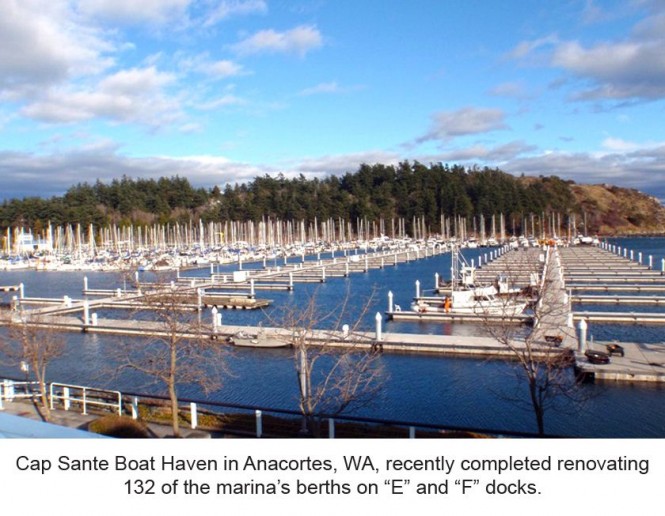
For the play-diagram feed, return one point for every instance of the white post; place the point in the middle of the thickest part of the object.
(86, 312)
(390, 301)
(65, 394)
(219, 320)
(251, 288)
(417, 288)
(662, 265)
(631, 255)
(346, 268)
(135, 407)
(93, 319)
(21, 291)
(639, 257)
(214, 319)
(290, 281)
(323, 274)
(436, 281)
(378, 320)
(366, 263)
(650, 262)
(259, 423)
(583, 329)
(136, 277)
(85, 283)
(194, 415)
(345, 330)
(118, 292)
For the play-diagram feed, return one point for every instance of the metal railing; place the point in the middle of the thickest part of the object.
(84, 397)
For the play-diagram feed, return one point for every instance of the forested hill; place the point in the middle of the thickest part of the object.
(374, 192)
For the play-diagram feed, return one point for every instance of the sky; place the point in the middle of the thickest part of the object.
(222, 91)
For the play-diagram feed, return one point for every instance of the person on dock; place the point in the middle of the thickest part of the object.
(447, 304)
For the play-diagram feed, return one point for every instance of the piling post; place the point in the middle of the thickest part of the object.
(345, 330)
(390, 301)
(135, 407)
(85, 284)
(259, 423)
(323, 274)
(631, 255)
(290, 281)
(214, 319)
(378, 320)
(86, 312)
(194, 415)
(583, 330)
(21, 291)
(650, 262)
(436, 281)
(639, 257)
(93, 319)
(346, 268)
(251, 288)
(199, 299)
(417, 288)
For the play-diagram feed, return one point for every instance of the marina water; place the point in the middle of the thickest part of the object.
(419, 388)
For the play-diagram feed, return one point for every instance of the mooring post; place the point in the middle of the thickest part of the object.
(259, 423)
(378, 320)
(323, 274)
(85, 284)
(214, 319)
(21, 291)
(417, 288)
(290, 281)
(93, 319)
(390, 301)
(345, 330)
(135, 407)
(194, 415)
(639, 257)
(650, 262)
(436, 281)
(251, 288)
(662, 265)
(86, 312)
(583, 329)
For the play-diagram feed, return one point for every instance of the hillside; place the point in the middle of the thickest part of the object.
(611, 210)
(417, 195)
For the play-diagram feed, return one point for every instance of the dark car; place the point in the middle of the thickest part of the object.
(597, 357)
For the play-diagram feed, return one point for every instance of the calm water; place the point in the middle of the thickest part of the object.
(454, 391)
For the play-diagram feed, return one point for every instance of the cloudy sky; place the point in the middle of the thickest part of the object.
(224, 90)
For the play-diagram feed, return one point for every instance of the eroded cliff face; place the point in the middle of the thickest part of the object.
(611, 210)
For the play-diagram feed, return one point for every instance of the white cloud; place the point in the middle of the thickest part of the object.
(324, 87)
(299, 41)
(135, 11)
(135, 95)
(631, 68)
(447, 125)
(220, 69)
(229, 8)
(45, 42)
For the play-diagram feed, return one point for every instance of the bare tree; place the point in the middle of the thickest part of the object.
(338, 369)
(33, 345)
(544, 354)
(178, 351)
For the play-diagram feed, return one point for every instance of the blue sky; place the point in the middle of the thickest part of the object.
(221, 91)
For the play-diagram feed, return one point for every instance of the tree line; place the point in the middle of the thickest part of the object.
(409, 190)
